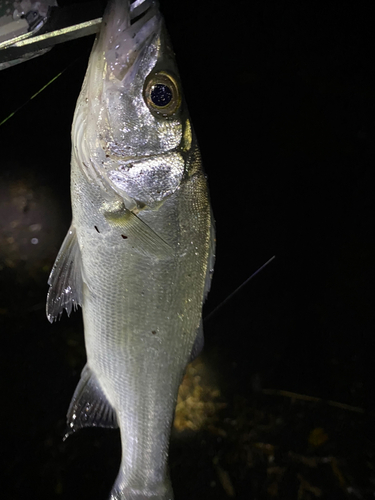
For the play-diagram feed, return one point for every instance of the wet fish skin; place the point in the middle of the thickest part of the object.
(139, 254)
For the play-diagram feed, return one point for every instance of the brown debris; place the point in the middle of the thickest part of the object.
(305, 486)
(198, 401)
(225, 481)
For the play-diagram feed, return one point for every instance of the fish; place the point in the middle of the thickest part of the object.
(139, 254)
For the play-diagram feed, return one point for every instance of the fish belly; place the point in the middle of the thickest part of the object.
(141, 313)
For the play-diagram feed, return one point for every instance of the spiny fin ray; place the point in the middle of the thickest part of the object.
(65, 280)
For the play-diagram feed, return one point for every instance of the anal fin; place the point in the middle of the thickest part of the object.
(198, 343)
(89, 406)
(211, 257)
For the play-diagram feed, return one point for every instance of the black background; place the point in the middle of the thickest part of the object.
(281, 96)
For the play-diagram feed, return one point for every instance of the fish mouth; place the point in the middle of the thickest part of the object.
(127, 29)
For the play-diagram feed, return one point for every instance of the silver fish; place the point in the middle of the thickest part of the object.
(139, 254)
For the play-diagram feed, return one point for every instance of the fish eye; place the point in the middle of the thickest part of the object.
(162, 94)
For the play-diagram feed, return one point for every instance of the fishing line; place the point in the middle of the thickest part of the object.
(39, 91)
(231, 295)
(32, 97)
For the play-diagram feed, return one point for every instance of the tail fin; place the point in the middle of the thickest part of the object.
(161, 491)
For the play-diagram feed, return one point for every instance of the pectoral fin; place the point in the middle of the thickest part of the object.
(65, 280)
(89, 406)
(139, 234)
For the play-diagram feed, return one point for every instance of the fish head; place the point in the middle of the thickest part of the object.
(137, 129)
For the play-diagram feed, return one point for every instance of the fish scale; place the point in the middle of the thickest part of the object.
(139, 254)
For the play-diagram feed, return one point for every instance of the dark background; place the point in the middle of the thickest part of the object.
(281, 96)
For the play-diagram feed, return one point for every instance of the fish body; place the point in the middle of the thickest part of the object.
(139, 254)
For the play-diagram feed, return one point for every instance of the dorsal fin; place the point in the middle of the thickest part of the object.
(89, 406)
(65, 280)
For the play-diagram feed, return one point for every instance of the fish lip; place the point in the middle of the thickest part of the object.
(126, 30)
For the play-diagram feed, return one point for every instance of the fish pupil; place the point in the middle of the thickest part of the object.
(161, 95)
